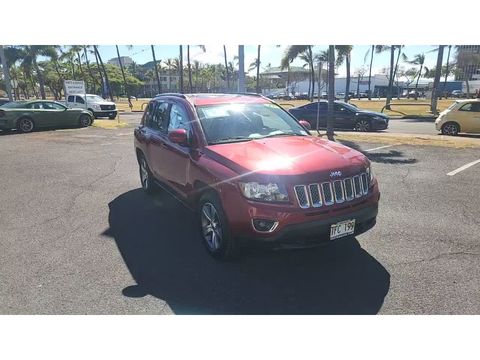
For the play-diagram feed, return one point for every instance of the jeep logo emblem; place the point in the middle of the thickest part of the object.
(335, 173)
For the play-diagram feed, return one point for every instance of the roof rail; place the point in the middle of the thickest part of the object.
(172, 94)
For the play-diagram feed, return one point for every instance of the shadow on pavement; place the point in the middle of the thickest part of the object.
(386, 157)
(159, 242)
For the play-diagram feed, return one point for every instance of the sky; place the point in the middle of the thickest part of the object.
(270, 54)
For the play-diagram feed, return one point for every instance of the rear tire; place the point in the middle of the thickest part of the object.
(450, 129)
(25, 125)
(215, 229)
(146, 177)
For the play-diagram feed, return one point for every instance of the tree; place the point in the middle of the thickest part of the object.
(241, 69)
(226, 67)
(447, 69)
(371, 51)
(123, 75)
(6, 73)
(180, 67)
(258, 69)
(31, 53)
(360, 72)
(344, 52)
(418, 59)
(305, 53)
(189, 67)
(159, 84)
(437, 79)
(331, 91)
(107, 83)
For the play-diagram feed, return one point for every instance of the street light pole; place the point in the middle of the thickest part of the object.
(6, 74)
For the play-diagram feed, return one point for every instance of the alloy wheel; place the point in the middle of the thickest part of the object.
(211, 227)
(26, 125)
(144, 174)
(450, 129)
(362, 125)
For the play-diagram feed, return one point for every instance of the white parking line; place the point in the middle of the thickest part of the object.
(378, 148)
(466, 166)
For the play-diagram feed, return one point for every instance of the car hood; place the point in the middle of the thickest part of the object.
(372, 113)
(305, 156)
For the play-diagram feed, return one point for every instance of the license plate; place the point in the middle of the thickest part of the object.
(341, 229)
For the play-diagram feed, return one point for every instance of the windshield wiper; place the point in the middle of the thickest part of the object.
(229, 140)
(282, 134)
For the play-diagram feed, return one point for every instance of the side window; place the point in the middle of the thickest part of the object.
(71, 98)
(80, 100)
(476, 107)
(178, 118)
(159, 117)
(56, 106)
(148, 114)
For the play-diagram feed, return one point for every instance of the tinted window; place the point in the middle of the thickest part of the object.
(71, 98)
(52, 106)
(159, 117)
(471, 107)
(178, 118)
(80, 100)
(36, 105)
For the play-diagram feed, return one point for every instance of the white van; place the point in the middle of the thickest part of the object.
(94, 103)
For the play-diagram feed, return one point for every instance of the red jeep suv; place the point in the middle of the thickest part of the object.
(253, 172)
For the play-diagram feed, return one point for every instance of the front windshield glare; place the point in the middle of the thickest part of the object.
(225, 123)
(94, 98)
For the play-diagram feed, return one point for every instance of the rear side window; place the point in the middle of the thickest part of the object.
(71, 98)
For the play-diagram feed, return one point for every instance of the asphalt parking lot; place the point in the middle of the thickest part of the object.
(78, 236)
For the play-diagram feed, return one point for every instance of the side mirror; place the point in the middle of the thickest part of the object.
(305, 124)
(178, 136)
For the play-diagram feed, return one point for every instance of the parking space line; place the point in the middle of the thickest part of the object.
(378, 148)
(466, 166)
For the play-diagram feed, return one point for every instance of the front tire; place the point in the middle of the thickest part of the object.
(450, 128)
(363, 126)
(112, 117)
(25, 125)
(85, 120)
(215, 230)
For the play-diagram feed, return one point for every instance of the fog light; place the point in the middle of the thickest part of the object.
(264, 225)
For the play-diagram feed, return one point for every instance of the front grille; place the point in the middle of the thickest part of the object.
(107, 107)
(332, 192)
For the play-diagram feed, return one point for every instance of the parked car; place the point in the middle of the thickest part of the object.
(346, 116)
(97, 105)
(458, 94)
(253, 172)
(27, 116)
(4, 101)
(461, 116)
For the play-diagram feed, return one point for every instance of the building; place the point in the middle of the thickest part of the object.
(169, 83)
(126, 60)
(468, 62)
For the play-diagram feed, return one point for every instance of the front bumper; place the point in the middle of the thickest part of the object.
(379, 125)
(295, 225)
(105, 113)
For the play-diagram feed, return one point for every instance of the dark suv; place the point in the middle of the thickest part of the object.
(253, 172)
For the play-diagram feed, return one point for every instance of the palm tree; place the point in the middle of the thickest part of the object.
(189, 67)
(226, 68)
(95, 80)
(305, 52)
(447, 68)
(241, 69)
(6, 73)
(371, 51)
(379, 49)
(418, 59)
(159, 84)
(123, 75)
(331, 91)
(107, 83)
(258, 70)
(438, 72)
(344, 52)
(31, 53)
(180, 67)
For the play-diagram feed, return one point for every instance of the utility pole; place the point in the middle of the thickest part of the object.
(241, 69)
(6, 74)
(181, 68)
(331, 91)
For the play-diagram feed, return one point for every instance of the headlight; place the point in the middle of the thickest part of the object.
(370, 174)
(96, 106)
(264, 192)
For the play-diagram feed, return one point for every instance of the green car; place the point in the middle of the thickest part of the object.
(26, 116)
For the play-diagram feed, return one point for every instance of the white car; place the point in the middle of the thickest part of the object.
(98, 106)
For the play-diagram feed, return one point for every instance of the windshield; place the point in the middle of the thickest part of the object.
(94, 98)
(14, 104)
(225, 123)
(348, 106)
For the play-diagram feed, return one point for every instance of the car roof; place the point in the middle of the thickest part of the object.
(214, 99)
(467, 100)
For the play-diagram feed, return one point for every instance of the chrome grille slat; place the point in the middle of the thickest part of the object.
(327, 193)
(315, 195)
(302, 197)
(332, 192)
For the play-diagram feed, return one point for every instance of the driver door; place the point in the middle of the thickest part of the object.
(344, 118)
